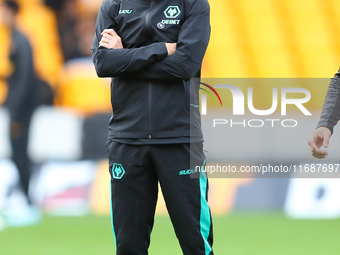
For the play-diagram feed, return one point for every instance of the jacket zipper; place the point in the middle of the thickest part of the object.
(148, 29)
(150, 111)
(147, 23)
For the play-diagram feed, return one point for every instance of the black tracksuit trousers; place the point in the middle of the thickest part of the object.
(135, 172)
(19, 144)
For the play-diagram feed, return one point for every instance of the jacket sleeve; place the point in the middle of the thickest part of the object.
(119, 62)
(192, 43)
(331, 107)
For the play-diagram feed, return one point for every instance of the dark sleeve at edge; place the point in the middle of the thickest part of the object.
(331, 108)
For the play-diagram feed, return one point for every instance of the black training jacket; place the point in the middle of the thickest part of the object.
(151, 93)
(331, 108)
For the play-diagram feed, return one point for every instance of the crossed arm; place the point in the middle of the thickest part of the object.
(111, 40)
(157, 61)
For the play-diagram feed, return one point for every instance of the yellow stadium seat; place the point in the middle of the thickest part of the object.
(276, 39)
(5, 67)
(40, 25)
(81, 89)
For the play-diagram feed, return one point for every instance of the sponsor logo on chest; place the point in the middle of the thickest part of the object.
(125, 11)
(171, 13)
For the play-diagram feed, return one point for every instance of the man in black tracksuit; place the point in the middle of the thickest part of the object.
(151, 49)
(329, 118)
(21, 99)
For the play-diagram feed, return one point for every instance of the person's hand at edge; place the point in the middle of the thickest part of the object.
(319, 137)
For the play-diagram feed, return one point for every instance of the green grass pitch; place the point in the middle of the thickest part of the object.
(236, 234)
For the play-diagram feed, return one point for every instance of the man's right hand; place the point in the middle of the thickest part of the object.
(318, 138)
(171, 47)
